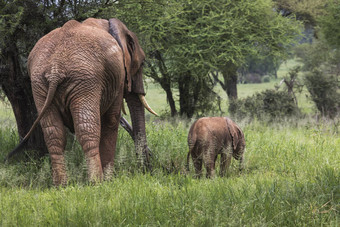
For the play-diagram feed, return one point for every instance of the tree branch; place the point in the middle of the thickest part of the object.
(215, 76)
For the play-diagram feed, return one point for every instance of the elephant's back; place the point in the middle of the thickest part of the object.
(211, 123)
(207, 128)
(88, 49)
(76, 49)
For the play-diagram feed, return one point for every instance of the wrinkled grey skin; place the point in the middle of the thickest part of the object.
(80, 74)
(211, 136)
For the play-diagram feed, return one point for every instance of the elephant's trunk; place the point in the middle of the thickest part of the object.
(137, 113)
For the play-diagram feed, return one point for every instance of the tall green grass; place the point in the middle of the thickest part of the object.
(291, 178)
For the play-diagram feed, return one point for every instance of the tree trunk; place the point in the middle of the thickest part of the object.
(171, 100)
(232, 86)
(164, 80)
(166, 83)
(17, 88)
(186, 103)
(230, 81)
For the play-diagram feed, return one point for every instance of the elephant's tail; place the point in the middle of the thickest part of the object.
(50, 94)
(191, 144)
(188, 160)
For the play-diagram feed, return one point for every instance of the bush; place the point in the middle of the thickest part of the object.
(267, 104)
(324, 90)
(266, 79)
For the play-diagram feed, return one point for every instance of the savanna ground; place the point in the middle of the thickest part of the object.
(291, 177)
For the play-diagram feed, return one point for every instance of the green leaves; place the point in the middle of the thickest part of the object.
(10, 19)
(195, 37)
(330, 22)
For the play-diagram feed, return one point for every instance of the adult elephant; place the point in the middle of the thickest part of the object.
(80, 74)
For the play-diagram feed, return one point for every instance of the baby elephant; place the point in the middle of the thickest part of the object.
(210, 136)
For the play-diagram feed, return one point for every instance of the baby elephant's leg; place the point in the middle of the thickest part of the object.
(225, 160)
(197, 160)
(209, 158)
(198, 167)
(241, 166)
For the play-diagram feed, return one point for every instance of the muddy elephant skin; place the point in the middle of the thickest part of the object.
(210, 136)
(80, 74)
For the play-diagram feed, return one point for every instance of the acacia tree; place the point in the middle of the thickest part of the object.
(249, 28)
(169, 51)
(186, 40)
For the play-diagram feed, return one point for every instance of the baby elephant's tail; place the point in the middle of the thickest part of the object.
(188, 160)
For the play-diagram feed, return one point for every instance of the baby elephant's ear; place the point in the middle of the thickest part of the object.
(235, 132)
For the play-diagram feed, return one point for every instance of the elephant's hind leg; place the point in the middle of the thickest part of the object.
(209, 163)
(86, 118)
(197, 159)
(109, 132)
(241, 165)
(225, 160)
(54, 133)
(209, 158)
(55, 138)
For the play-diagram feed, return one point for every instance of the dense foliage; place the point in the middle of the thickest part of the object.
(305, 10)
(330, 23)
(268, 104)
(325, 92)
(320, 64)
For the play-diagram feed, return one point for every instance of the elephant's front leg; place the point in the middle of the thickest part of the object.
(109, 132)
(86, 118)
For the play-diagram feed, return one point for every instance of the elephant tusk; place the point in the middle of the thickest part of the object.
(146, 105)
(123, 108)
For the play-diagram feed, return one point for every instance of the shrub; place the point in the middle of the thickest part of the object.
(324, 90)
(267, 104)
(266, 79)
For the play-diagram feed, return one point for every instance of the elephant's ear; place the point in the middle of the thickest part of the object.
(120, 32)
(234, 131)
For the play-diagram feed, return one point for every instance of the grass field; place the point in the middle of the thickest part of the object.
(291, 178)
